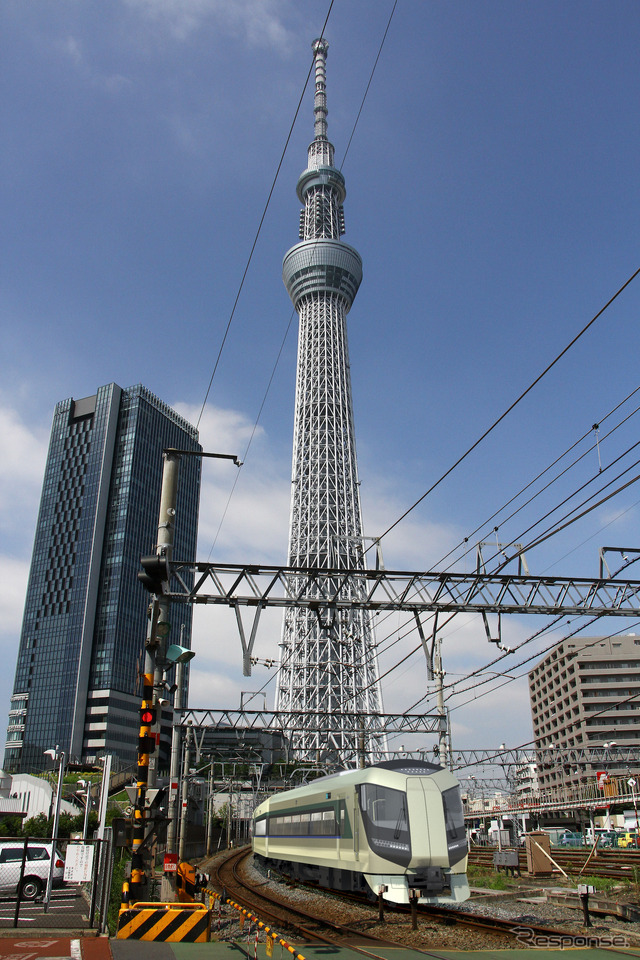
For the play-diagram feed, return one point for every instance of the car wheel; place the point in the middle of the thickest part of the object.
(31, 888)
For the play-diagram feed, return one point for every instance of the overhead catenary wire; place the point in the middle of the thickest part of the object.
(527, 486)
(515, 403)
(542, 473)
(412, 628)
(498, 659)
(532, 744)
(534, 656)
(504, 681)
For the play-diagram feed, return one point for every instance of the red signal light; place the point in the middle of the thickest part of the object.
(147, 716)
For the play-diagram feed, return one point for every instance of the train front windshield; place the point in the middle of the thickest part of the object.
(454, 825)
(386, 822)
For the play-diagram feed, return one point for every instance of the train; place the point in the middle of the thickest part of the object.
(396, 828)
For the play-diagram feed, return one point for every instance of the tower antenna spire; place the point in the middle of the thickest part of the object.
(320, 48)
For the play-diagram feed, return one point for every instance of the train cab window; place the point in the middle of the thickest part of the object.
(454, 825)
(386, 822)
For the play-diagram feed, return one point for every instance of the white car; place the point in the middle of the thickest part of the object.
(36, 868)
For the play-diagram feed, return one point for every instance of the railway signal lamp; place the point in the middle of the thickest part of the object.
(146, 741)
(154, 575)
(148, 716)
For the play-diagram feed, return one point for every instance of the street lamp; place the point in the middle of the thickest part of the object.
(87, 806)
(104, 794)
(58, 755)
(632, 783)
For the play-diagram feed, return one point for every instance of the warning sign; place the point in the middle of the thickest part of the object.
(78, 863)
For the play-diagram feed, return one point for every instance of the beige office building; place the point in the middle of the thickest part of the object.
(586, 692)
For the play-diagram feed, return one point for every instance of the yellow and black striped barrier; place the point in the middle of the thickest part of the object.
(168, 922)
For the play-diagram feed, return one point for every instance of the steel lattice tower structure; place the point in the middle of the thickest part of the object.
(328, 663)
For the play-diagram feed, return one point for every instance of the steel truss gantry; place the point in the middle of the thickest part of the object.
(250, 588)
(271, 720)
(324, 591)
(247, 723)
(574, 756)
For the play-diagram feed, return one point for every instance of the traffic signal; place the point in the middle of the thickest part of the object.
(155, 573)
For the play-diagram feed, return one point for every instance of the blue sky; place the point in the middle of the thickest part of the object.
(492, 194)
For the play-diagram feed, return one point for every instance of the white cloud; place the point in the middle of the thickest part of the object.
(243, 516)
(14, 575)
(70, 47)
(260, 22)
(21, 471)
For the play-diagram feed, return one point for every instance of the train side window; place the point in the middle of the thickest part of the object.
(318, 823)
(260, 828)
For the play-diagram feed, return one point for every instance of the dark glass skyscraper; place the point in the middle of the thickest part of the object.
(85, 619)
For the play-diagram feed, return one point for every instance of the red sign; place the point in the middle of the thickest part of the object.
(170, 862)
(601, 778)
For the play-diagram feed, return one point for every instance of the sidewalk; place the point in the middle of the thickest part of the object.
(101, 948)
(32, 947)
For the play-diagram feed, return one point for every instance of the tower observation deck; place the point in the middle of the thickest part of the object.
(328, 663)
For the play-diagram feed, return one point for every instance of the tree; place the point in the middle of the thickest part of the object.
(39, 826)
(11, 826)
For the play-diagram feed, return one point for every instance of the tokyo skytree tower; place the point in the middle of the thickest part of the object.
(328, 664)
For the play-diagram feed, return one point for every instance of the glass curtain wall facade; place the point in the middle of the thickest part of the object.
(82, 642)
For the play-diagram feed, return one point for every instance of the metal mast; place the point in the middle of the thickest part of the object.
(328, 662)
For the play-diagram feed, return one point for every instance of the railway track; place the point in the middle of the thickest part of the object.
(611, 864)
(228, 875)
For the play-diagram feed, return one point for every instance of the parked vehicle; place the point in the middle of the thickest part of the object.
(609, 838)
(570, 838)
(36, 868)
(629, 840)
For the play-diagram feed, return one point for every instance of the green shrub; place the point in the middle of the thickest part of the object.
(117, 879)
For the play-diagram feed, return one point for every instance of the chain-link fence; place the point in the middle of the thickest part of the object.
(62, 884)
